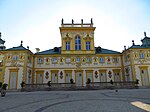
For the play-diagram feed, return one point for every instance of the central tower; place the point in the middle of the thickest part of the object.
(77, 38)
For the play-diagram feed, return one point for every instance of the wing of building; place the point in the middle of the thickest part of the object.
(76, 59)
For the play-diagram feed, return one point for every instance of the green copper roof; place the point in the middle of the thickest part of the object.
(100, 50)
(56, 50)
(139, 46)
(17, 48)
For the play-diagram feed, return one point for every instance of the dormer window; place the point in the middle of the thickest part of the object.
(77, 43)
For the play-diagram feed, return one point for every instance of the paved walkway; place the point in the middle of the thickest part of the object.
(125, 100)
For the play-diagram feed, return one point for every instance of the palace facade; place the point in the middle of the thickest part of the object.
(76, 59)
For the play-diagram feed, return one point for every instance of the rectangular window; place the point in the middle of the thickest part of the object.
(101, 60)
(88, 60)
(54, 60)
(77, 43)
(87, 45)
(67, 45)
(141, 55)
(115, 60)
(67, 60)
(15, 57)
(77, 59)
(40, 60)
(77, 47)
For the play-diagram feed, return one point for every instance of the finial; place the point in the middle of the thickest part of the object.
(124, 47)
(81, 21)
(133, 42)
(37, 50)
(91, 21)
(21, 43)
(27, 47)
(145, 34)
(62, 21)
(72, 21)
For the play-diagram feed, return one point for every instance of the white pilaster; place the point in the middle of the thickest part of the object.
(84, 78)
(73, 75)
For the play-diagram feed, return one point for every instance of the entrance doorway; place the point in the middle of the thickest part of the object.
(79, 79)
(39, 78)
(54, 78)
(90, 76)
(144, 77)
(13, 80)
(68, 77)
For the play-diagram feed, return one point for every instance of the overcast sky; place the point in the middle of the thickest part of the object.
(37, 22)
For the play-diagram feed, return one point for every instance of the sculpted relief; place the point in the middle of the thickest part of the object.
(73, 34)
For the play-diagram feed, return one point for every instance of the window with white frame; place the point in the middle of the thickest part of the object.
(141, 55)
(115, 60)
(15, 57)
(40, 60)
(67, 60)
(54, 60)
(78, 59)
(101, 60)
(88, 60)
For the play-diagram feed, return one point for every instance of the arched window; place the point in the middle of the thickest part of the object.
(77, 43)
